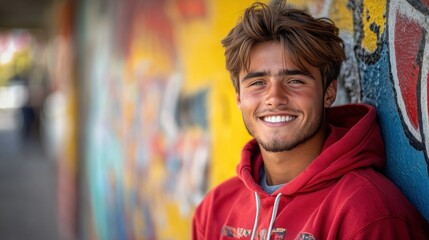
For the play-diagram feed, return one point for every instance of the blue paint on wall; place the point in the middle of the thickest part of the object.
(406, 166)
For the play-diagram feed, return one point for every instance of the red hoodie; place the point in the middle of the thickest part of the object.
(341, 194)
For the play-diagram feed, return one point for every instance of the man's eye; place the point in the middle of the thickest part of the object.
(296, 81)
(257, 83)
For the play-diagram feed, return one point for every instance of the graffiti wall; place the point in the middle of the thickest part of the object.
(161, 122)
(387, 46)
(162, 126)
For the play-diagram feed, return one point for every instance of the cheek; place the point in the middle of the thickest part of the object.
(245, 107)
(308, 98)
(310, 102)
(248, 100)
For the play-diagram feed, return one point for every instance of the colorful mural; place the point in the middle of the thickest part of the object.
(162, 125)
(161, 114)
(408, 50)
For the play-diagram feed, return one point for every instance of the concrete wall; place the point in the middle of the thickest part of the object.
(162, 126)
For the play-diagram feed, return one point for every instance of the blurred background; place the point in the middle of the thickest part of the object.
(116, 117)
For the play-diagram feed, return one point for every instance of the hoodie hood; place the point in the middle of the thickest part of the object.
(354, 142)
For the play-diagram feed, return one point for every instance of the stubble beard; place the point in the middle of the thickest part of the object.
(276, 144)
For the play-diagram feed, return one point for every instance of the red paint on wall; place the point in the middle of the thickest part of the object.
(407, 43)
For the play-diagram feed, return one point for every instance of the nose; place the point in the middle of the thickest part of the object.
(276, 95)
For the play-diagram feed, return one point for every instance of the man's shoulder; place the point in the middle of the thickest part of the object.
(370, 182)
(370, 191)
(368, 199)
(222, 195)
(227, 187)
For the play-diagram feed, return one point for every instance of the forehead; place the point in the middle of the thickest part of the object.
(267, 53)
(273, 57)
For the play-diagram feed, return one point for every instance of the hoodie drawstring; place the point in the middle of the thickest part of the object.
(258, 207)
(273, 215)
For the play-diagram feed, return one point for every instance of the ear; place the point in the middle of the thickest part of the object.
(237, 98)
(330, 94)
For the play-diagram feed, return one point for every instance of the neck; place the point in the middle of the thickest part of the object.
(282, 167)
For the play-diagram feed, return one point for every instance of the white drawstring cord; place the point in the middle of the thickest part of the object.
(258, 206)
(273, 215)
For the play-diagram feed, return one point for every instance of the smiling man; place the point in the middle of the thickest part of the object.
(312, 171)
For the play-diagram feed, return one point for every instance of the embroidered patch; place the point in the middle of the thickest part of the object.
(279, 233)
(305, 236)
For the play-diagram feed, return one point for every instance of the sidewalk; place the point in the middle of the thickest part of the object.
(27, 190)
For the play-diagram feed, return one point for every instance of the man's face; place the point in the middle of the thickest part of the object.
(282, 105)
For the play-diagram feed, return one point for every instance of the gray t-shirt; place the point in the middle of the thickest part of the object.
(263, 182)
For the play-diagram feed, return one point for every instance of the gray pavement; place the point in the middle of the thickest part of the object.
(27, 189)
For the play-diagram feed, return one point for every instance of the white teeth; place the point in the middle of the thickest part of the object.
(278, 119)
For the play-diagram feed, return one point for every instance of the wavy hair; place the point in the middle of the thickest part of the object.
(307, 39)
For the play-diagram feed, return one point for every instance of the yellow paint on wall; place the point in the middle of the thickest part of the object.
(203, 64)
(373, 15)
(336, 10)
(342, 15)
(226, 125)
(176, 226)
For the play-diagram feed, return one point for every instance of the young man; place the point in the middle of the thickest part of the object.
(312, 170)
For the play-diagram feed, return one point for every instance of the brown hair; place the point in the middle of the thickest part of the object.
(307, 40)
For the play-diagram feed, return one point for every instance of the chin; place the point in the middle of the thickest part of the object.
(276, 146)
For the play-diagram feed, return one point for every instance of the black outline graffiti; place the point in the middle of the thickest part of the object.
(416, 143)
(371, 58)
(419, 6)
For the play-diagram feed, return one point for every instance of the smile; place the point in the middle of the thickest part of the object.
(278, 119)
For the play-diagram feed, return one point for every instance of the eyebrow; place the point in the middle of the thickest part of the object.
(282, 73)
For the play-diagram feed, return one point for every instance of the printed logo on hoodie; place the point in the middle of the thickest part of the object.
(238, 233)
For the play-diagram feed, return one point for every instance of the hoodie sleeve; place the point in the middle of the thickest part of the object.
(393, 228)
(197, 232)
(197, 225)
